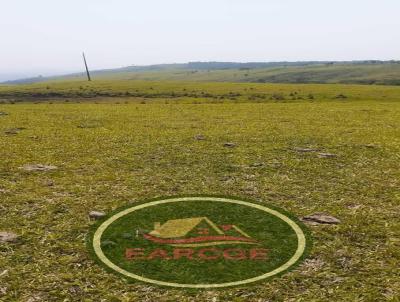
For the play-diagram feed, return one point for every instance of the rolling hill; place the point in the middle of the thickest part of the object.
(315, 72)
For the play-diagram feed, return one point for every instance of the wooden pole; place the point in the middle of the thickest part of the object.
(87, 69)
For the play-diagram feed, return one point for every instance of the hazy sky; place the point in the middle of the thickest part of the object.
(48, 36)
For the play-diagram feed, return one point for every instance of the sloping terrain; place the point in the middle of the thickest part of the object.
(364, 72)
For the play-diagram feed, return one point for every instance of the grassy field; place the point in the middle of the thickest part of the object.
(387, 74)
(381, 73)
(193, 92)
(128, 141)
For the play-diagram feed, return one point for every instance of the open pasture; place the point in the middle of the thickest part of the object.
(336, 152)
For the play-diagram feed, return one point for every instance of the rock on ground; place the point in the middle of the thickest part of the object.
(326, 155)
(256, 165)
(304, 150)
(320, 218)
(49, 183)
(96, 214)
(229, 145)
(37, 167)
(8, 237)
(200, 137)
(14, 131)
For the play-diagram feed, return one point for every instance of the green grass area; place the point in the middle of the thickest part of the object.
(191, 92)
(383, 74)
(210, 261)
(109, 155)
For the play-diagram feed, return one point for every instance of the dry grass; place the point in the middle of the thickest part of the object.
(110, 154)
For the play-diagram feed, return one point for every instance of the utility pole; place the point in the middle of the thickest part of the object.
(87, 69)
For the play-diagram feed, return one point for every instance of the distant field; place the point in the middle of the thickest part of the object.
(125, 90)
(378, 73)
(385, 74)
(139, 142)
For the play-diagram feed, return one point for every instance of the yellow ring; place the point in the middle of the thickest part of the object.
(301, 239)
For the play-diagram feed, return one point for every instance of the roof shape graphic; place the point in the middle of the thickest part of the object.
(181, 227)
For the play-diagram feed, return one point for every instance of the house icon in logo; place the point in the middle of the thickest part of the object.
(197, 231)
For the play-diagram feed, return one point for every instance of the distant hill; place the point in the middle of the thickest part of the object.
(351, 72)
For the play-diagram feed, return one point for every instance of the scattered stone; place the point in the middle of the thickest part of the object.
(96, 214)
(2, 113)
(75, 290)
(227, 178)
(249, 177)
(8, 237)
(320, 218)
(229, 145)
(304, 150)
(49, 183)
(14, 131)
(256, 165)
(200, 137)
(341, 96)
(326, 155)
(312, 265)
(354, 207)
(371, 146)
(37, 167)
